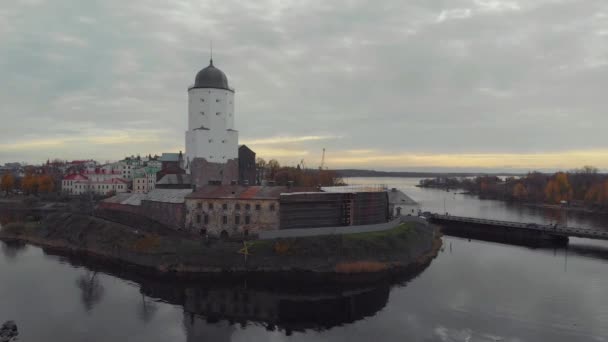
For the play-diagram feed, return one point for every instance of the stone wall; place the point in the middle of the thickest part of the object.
(338, 230)
(149, 213)
(173, 215)
(203, 171)
(263, 219)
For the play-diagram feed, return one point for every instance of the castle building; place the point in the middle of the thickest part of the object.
(211, 139)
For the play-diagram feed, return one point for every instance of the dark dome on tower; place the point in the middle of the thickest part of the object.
(211, 77)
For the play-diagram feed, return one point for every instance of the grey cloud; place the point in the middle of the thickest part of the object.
(507, 77)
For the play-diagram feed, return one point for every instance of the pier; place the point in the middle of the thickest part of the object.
(532, 229)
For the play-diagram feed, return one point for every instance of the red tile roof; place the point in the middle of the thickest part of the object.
(75, 176)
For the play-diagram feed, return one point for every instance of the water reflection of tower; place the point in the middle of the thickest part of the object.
(198, 329)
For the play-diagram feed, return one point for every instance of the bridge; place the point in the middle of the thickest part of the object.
(558, 231)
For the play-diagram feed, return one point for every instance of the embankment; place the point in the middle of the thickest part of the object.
(166, 252)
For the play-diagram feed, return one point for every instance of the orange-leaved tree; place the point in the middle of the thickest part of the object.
(597, 194)
(558, 189)
(29, 183)
(7, 183)
(46, 184)
(520, 192)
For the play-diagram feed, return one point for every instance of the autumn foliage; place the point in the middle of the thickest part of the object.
(585, 186)
(7, 183)
(298, 176)
(34, 183)
(558, 189)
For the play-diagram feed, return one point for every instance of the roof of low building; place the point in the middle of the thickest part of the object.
(167, 195)
(75, 176)
(175, 179)
(156, 195)
(147, 170)
(396, 196)
(169, 157)
(241, 192)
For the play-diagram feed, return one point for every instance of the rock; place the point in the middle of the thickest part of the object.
(8, 332)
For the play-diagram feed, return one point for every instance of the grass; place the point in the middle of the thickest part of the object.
(356, 244)
(20, 228)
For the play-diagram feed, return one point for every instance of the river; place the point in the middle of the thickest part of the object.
(473, 291)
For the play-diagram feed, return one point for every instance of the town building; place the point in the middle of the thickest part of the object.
(144, 179)
(233, 210)
(247, 167)
(98, 182)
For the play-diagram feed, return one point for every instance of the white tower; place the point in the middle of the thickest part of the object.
(211, 134)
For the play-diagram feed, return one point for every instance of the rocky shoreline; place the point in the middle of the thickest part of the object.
(178, 255)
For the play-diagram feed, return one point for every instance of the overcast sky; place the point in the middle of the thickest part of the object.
(392, 84)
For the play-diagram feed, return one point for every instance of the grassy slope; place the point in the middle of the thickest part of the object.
(376, 244)
(322, 253)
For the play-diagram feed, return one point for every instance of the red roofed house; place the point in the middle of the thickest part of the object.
(100, 182)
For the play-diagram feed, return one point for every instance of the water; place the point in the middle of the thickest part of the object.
(473, 291)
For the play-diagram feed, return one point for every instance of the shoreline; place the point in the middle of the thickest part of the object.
(222, 257)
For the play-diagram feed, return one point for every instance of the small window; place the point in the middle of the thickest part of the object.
(202, 113)
(237, 206)
(206, 218)
(225, 206)
(217, 100)
(202, 100)
(218, 113)
(247, 219)
(247, 206)
(198, 218)
(272, 207)
(258, 207)
(237, 219)
(210, 206)
(225, 219)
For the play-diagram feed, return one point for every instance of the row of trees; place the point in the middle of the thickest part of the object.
(30, 184)
(585, 186)
(298, 176)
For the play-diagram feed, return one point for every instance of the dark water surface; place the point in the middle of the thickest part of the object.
(473, 291)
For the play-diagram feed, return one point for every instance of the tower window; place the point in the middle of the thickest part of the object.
(202, 100)
(217, 100)
(202, 113)
(218, 113)
(210, 140)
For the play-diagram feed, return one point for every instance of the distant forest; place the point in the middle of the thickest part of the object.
(581, 187)
(372, 173)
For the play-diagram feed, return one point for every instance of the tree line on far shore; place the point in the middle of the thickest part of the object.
(582, 187)
(297, 175)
